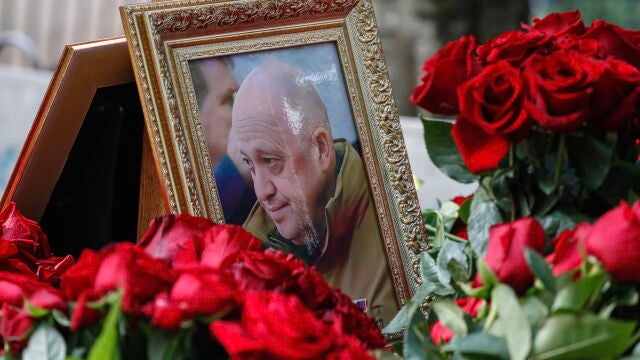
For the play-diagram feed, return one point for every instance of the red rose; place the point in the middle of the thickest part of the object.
(561, 86)
(441, 334)
(48, 298)
(50, 269)
(617, 42)
(271, 270)
(492, 116)
(83, 315)
(202, 292)
(558, 24)
(313, 290)
(81, 275)
(350, 349)
(14, 327)
(277, 326)
(14, 288)
(615, 101)
(511, 46)
(7, 249)
(223, 240)
(172, 236)
(505, 251)
(588, 47)
(566, 255)
(459, 228)
(615, 240)
(128, 267)
(14, 226)
(347, 318)
(166, 314)
(444, 72)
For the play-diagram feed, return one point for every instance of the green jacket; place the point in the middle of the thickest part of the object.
(354, 258)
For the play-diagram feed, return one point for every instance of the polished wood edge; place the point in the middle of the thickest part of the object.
(82, 69)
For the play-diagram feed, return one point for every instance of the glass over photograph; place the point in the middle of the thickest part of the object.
(281, 139)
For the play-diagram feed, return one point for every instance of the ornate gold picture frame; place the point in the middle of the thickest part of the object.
(285, 59)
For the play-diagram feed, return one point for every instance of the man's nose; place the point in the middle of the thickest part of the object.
(263, 186)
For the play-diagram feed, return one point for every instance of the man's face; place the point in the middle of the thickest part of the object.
(215, 112)
(286, 173)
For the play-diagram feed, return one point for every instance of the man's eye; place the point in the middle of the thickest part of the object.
(270, 161)
(247, 162)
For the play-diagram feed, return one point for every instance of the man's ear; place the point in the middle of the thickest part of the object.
(324, 144)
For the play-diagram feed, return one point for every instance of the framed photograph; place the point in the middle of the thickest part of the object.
(278, 115)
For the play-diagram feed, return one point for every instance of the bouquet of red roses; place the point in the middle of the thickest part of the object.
(541, 262)
(189, 289)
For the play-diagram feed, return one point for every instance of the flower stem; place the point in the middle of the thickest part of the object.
(446, 234)
(561, 149)
(511, 155)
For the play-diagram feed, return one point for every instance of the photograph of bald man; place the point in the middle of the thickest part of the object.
(313, 197)
(215, 87)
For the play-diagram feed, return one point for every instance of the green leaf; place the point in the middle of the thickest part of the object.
(443, 151)
(570, 336)
(540, 269)
(591, 157)
(403, 317)
(45, 343)
(432, 285)
(61, 318)
(428, 268)
(106, 346)
(487, 275)
(161, 343)
(483, 215)
(449, 211)
(513, 321)
(480, 344)
(453, 262)
(576, 295)
(622, 180)
(559, 221)
(417, 342)
(535, 311)
(33, 311)
(451, 316)
(465, 210)
(382, 354)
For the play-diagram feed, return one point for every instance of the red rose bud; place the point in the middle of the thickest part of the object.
(566, 255)
(561, 86)
(614, 239)
(505, 252)
(444, 72)
(441, 334)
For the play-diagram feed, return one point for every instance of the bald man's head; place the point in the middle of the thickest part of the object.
(280, 126)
